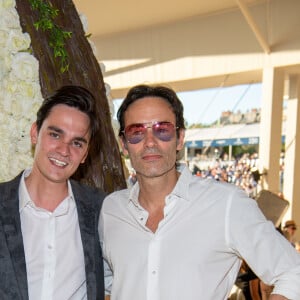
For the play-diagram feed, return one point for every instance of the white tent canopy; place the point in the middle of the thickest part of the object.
(229, 135)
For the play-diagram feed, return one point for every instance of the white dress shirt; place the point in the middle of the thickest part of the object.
(196, 251)
(53, 249)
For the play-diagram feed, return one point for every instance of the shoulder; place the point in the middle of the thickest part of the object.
(118, 195)
(117, 199)
(87, 194)
(11, 186)
(12, 182)
(80, 187)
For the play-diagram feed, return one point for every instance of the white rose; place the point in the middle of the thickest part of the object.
(3, 39)
(5, 62)
(25, 67)
(6, 57)
(6, 4)
(18, 41)
(10, 86)
(24, 126)
(24, 146)
(9, 18)
(6, 105)
(16, 108)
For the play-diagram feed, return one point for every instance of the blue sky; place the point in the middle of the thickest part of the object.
(205, 106)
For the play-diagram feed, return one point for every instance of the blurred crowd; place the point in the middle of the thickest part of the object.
(242, 172)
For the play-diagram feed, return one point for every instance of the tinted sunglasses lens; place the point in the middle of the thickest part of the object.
(164, 131)
(135, 133)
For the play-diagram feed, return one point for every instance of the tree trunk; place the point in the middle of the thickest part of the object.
(104, 167)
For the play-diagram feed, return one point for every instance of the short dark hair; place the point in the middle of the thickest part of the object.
(73, 96)
(142, 91)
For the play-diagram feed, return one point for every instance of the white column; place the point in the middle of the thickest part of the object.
(270, 127)
(291, 187)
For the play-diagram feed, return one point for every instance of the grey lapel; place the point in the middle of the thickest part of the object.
(12, 249)
(88, 206)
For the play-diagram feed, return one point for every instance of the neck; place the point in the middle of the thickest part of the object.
(153, 192)
(45, 194)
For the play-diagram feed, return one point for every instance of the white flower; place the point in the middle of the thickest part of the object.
(5, 63)
(18, 41)
(7, 4)
(20, 95)
(3, 38)
(9, 18)
(25, 67)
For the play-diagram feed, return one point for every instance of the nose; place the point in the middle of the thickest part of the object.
(150, 139)
(64, 148)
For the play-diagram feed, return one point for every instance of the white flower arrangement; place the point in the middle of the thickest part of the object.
(20, 94)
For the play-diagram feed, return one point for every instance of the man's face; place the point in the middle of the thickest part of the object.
(152, 157)
(291, 230)
(61, 144)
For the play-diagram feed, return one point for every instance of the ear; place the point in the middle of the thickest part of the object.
(85, 156)
(180, 139)
(124, 145)
(34, 133)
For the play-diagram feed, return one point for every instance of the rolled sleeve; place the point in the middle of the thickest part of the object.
(268, 253)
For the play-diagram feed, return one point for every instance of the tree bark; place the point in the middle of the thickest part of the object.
(104, 167)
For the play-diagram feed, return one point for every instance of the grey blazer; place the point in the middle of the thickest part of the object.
(13, 278)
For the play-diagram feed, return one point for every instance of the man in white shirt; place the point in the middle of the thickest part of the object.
(49, 243)
(175, 236)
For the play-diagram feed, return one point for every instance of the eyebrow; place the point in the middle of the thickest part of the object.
(59, 130)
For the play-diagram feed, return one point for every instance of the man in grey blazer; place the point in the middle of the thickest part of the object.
(49, 244)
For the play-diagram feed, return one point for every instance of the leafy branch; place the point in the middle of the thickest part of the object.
(57, 36)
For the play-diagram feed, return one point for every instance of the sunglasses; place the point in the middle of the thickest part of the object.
(164, 131)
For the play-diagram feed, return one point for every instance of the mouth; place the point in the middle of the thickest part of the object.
(150, 157)
(57, 162)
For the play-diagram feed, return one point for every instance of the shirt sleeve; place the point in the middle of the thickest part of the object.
(266, 251)
(108, 274)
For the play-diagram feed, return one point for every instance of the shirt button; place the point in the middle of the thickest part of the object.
(49, 247)
(153, 272)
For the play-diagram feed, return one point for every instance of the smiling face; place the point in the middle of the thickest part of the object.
(152, 157)
(61, 144)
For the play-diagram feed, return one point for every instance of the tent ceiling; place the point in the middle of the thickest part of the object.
(111, 17)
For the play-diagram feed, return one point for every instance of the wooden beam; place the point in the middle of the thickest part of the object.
(245, 11)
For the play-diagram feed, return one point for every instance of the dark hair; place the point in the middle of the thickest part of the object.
(73, 96)
(142, 91)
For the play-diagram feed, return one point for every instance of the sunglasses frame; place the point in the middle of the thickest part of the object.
(151, 125)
